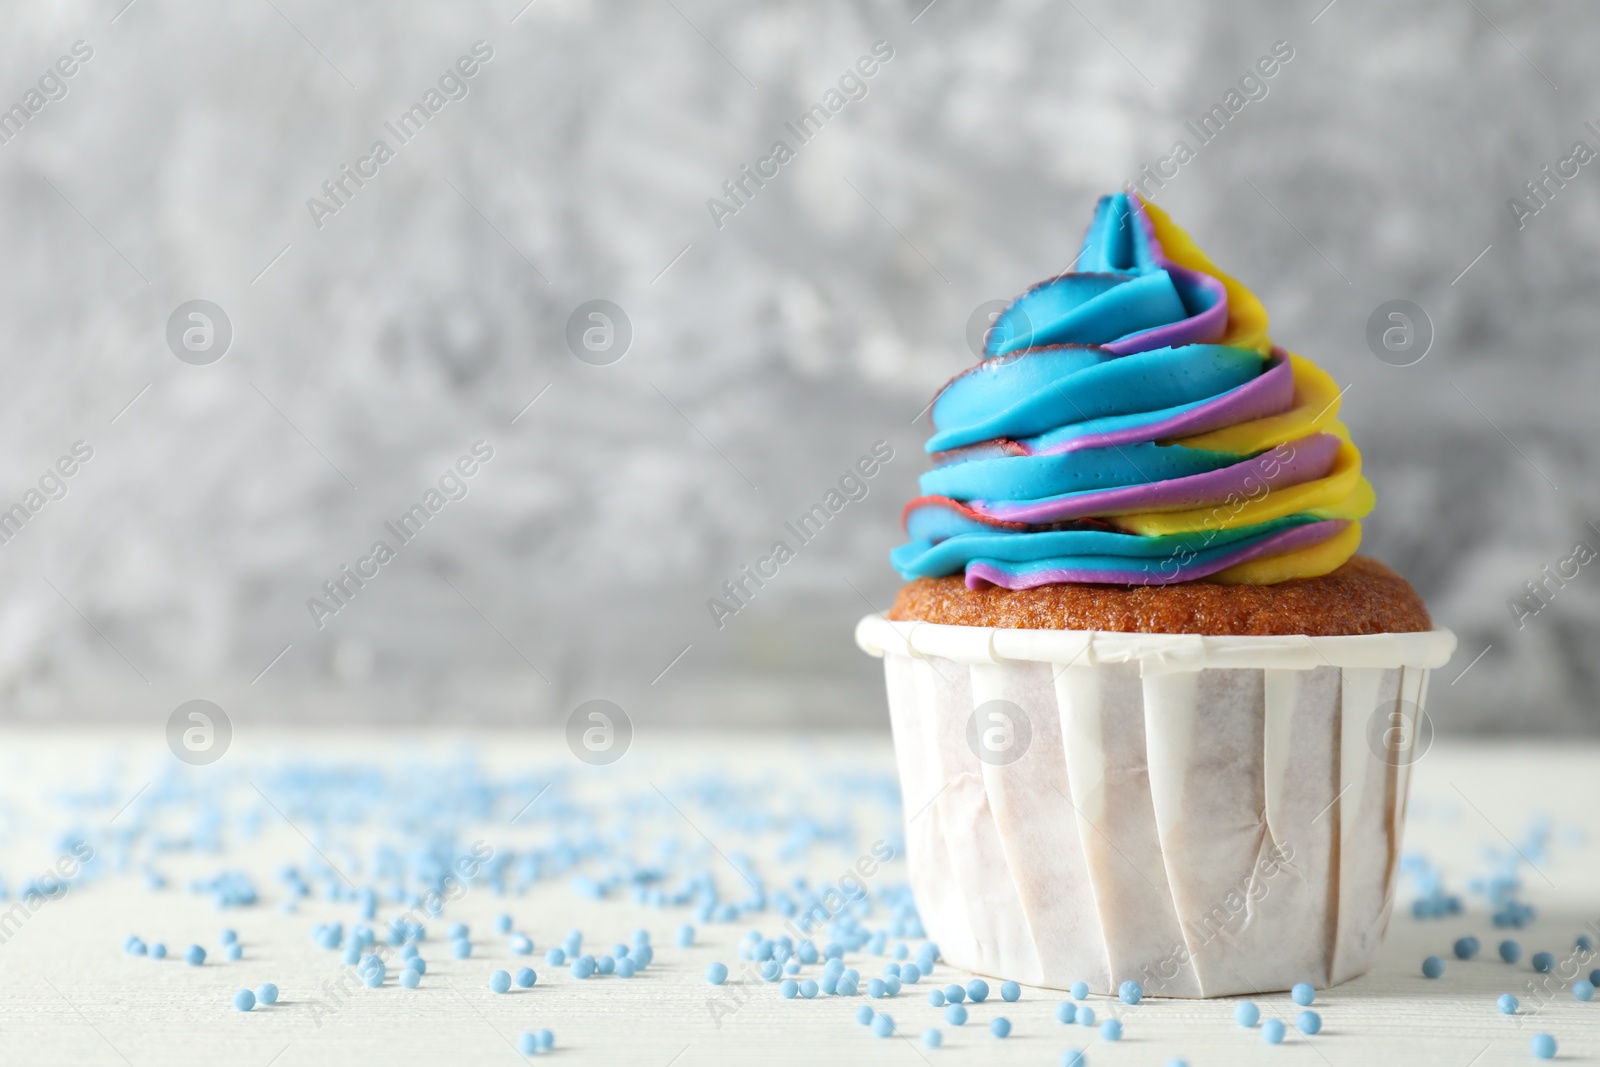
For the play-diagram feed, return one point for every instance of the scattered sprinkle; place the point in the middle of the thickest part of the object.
(1466, 948)
(1432, 967)
(1543, 962)
(194, 955)
(716, 974)
(525, 977)
(244, 1000)
(1272, 1031)
(1510, 951)
(788, 989)
(266, 993)
(1000, 1026)
(1010, 992)
(1507, 1004)
(1074, 1057)
(955, 994)
(883, 1024)
(1085, 1015)
(864, 1015)
(955, 1014)
(1079, 990)
(936, 997)
(1543, 1046)
(1130, 992)
(1583, 989)
(1247, 1014)
(1111, 1030)
(1066, 1012)
(932, 1038)
(977, 991)
(1308, 1022)
(1304, 994)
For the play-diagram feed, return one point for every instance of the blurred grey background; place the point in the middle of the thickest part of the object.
(372, 346)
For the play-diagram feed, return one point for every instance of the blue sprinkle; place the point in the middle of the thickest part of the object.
(1543, 1046)
(932, 1038)
(1507, 1004)
(891, 986)
(461, 948)
(1074, 1057)
(1130, 992)
(1247, 1014)
(1303, 994)
(876, 988)
(808, 988)
(555, 957)
(832, 951)
(410, 978)
(1066, 1012)
(936, 997)
(864, 1015)
(891, 969)
(1177, 1061)
(1308, 1022)
(641, 936)
(789, 988)
(901, 952)
(955, 994)
(526, 977)
(244, 1000)
(1432, 967)
(1010, 992)
(1000, 1026)
(500, 982)
(641, 956)
(546, 1040)
(266, 993)
(1594, 977)
(807, 952)
(158, 951)
(232, 950)
(1111, 1030)
(133, 946)
(228, 937)
(1079, 990)
(830, 982)
(521, 945)
(418, 964)
(977, 991)
(717, 973)
(955, 1014)
(583, 967)
(1466, 948)
(502, 924)
(1272, 1031)
(791, 966)
(1085, 1015)
(194, 955)
(1583, 943)
(1543, 962)
(527, 1044)
(845, 987)
(685, 936)
(457, 931)
(1510, 951)
(1583, 989)
(910, 974)
(882, 1024)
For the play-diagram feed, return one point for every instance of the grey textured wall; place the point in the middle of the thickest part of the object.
(374, 344)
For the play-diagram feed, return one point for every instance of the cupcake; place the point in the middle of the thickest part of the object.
(1153, 716)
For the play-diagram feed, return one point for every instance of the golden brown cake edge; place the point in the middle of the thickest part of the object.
(1361, 597)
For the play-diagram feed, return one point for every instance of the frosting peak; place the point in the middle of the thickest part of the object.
(1131, 422)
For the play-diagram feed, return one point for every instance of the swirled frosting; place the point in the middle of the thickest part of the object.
(1131, 422)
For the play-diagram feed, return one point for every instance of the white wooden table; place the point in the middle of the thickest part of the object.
(69, 994)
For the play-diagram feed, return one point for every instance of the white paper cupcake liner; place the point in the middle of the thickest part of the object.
(1206, 816)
